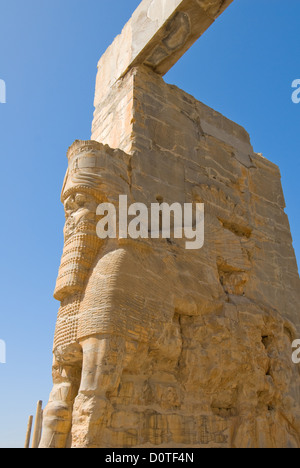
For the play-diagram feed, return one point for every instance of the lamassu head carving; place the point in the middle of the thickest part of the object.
(81, 194)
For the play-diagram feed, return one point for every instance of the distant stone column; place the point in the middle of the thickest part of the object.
(37, 425)
(28, 433)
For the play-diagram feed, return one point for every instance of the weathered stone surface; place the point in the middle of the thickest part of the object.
(158, 34)
(155, 345)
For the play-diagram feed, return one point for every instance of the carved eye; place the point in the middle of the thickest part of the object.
(80, 199)
(69, 204)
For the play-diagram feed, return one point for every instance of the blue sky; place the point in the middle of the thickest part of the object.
(243, 67)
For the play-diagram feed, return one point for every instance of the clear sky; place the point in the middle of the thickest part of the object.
(243, 67)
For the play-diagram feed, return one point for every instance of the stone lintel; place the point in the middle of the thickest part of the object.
(157, 35)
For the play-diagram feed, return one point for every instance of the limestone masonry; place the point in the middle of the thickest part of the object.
(156, 345)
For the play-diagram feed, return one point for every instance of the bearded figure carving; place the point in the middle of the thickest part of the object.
(103, 288)
(83, 190)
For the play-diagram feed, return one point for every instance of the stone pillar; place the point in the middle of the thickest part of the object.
(37, 426)
(28, 433)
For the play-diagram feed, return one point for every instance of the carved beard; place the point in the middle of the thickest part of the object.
(80, 251)
(67, 323)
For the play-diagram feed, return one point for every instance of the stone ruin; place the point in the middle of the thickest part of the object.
(156, 345)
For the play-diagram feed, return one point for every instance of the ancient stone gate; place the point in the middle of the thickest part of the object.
(157, 346)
